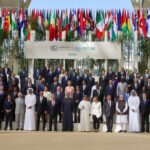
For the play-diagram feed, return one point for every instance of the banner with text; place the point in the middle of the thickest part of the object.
(72, 50)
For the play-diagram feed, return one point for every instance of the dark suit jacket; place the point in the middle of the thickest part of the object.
(37, 72)
(110, 91)
(53, 87)
(60, 97)
(49, 78)
(53, 110)
(137, 89)
(41, 107)
(85, 91)
(109, 111)
(23, 74)
(64, 82)
(77, 97)
(147, 90)
(145, 107)
(77, 80)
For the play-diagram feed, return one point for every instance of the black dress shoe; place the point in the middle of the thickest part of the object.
(120, 131)
(17, 129)
(124, 131)
(21, 129)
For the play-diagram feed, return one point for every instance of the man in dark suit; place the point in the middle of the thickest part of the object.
(9, 107)
(129, 79)
(41, 86)
(59, 98)
(85, 89)
(13, 82)
(23, 75)
(85, 76)
(53, 110)
(45, 70)
(41, 108)
(102, 83)
(110, 90)
(58, 70)
(144, 111)
(37, 72)
(121, 74)
(77, 79)
(64, 81)
(77, 97)
(147, 88)
(2, 100)
(49, 78)
(109, 110)
(54, 85)
(136, 86)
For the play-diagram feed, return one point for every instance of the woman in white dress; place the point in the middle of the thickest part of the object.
(96, 113)
(121, 110)
(30, 101)
(85, 110)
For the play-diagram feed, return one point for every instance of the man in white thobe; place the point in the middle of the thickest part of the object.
(134, 103)
(85, 109)
(30, 101)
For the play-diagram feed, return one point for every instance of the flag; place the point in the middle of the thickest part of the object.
(40, 20)
(129, 24)
(63, 16)
(13, 20)
(87, 21)
(6, 21)
(148, 23)
(52, 25)
(58, 35)
(119, 20)
(92, 22)
(46, 24)
(72, 24)
(124, 22)
(142, 24)
(113, 35)
(67, 24)
(99, 25)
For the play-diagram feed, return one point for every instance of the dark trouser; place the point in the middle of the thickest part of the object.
(9, 118)
(76, 114)
(59, 112)
(51, 119)
(144, 121)
(109, 123)
(38, 120)
(96, 122)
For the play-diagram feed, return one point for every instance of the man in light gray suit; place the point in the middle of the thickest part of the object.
(19, 111)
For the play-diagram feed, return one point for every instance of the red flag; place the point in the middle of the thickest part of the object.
(142, 25)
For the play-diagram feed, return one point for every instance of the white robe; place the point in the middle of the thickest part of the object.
(29, 123)
(134, 119)
(85, 109)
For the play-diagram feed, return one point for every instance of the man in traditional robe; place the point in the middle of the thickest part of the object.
(85, 110)
(134, 102)
(122, 110)
(67, 110)
(30, 101)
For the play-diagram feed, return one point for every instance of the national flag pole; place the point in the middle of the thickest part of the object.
(136, 47)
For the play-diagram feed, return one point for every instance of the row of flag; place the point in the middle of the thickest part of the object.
(76, 22)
